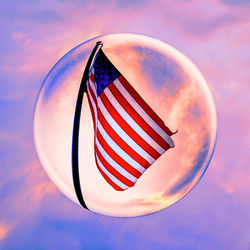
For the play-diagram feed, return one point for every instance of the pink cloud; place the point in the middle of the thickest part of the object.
(45, 43)
(28, 195)
(37, 183)
(59, 37)
(4, 230)
(18, 36)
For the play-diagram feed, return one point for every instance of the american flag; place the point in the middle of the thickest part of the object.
(128, 135)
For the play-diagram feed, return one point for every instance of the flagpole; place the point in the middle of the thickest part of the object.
(76, 126)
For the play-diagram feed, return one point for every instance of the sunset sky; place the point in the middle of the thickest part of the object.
(214, 34)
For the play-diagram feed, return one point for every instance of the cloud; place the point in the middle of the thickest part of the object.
(148, 201)
(237, 2)
(38, 186)
(30, 47)
(169, 74)
(23, 192)
(61, 70)
(190, 175)
(45, 16)
(201, 26)
(201, 20)
(4, 230)
(29, 11)
(18, 36)
(42, 44)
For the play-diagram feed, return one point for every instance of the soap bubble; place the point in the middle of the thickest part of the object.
(174, 88)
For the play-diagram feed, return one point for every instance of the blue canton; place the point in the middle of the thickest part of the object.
(104, 72)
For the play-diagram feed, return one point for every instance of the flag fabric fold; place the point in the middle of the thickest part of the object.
(128, 135)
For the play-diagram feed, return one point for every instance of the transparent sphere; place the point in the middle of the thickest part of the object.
(173, 87)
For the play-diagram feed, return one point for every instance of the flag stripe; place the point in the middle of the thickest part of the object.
(148, 119)
(118, 150)
(92, 89)
(112, 170)
(92, 110)
(108, 177)
(142, 155)
(92, 78)
(93, 104)
(129, 135)
(90, 98)
(132, 123)
(137, 118)
(143, 104)
(113, 167)
(126, 127)
(120, 142)
(116, 157)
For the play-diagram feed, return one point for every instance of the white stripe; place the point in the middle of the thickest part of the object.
(93, 86)
(123, 134)
(93, 90)
(93, 104)
(112, 177)
(120, 169)
(132, 122)
(92, 71)
(143, 113)
(119, 151)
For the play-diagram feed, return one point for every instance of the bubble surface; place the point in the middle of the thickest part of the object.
(175, 89)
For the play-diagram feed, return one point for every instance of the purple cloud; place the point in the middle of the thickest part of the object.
(237, 2)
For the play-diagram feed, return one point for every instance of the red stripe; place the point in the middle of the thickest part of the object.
(116, 187)
(124, 125)
(92, 78)
(90, 104)
(122, 144)
(116, 157)
(112, 170)
(139, 120)
(92, 111)
(92, 93)
(143, 104)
